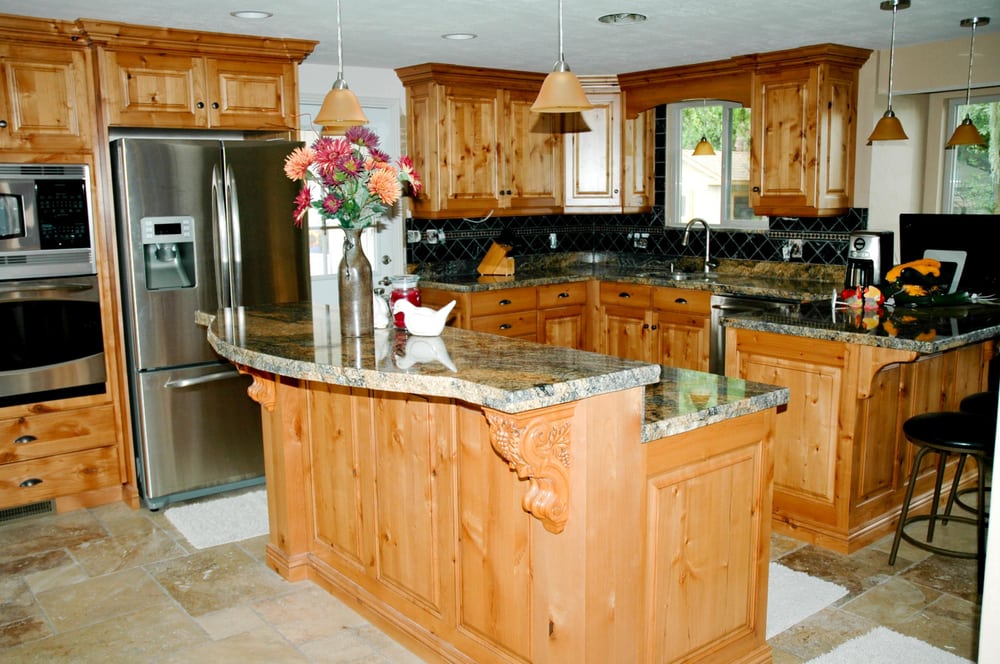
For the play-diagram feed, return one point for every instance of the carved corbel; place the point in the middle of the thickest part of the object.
(262, 388)
(536, 446)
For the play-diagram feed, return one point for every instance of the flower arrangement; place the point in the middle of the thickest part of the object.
(349, 180)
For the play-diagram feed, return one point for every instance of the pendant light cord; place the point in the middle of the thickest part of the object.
(562, 58)
(892, 50)
(340, 47)
(972, 50)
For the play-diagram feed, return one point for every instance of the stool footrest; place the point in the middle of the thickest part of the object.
(928, 546)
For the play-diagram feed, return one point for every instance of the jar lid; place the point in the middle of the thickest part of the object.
(404, 280)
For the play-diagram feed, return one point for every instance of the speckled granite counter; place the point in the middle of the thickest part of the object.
(926, 330)
(302, 341)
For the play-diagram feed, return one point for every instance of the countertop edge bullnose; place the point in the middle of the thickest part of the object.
(508, 389)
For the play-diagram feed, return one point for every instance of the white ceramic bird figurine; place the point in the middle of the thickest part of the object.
(423, 321)
(420, 350)
(380, 312)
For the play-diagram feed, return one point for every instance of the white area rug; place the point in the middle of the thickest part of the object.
(215, 521)
(884, 646)
(794, 596)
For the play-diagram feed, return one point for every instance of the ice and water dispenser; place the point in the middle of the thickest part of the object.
(168, 252)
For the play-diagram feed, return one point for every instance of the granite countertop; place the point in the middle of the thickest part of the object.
(302, 340)
(923, 330)
(795, 281)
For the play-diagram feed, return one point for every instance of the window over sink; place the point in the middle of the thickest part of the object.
(716, 187)
(971, 175)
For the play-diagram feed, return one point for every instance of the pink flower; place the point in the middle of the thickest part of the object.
(384, 184)
(302, 201)
(297, 163)
(362, 136)
(331, 204)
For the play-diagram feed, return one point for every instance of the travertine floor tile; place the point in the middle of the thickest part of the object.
(101, 598)
(892, 602)
(227, 622)
(261, 647)
(217, 578)
(112, 554)
(308, 614)
(49, 532)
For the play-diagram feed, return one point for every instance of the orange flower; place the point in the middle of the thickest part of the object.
(384, 183)
(297, 163)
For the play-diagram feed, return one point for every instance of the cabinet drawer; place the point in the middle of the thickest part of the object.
(59, 475)
(632, 295)
(682, 300)
(562, 295)
(509, 325)
(36, 436)
(502, 301)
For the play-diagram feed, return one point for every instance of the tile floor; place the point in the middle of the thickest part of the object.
(111, 584)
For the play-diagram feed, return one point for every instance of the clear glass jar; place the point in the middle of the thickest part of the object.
(404, 287)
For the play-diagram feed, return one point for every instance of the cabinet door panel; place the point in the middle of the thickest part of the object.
(533, 169)
(47, 99)
(562, 326)
(785, 106)
(151, 90)
(250, 95)
(469, 170)
(593, 163)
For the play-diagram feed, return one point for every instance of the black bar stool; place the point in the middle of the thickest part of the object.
(984, 404)
(948, 433)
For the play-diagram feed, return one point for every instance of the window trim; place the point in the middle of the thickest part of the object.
(953, 117)
(672, 171)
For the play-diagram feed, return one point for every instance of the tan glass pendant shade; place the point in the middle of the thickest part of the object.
(704, 148)
(341, 108)
(889, 128)
(966, 132)
(561, 90)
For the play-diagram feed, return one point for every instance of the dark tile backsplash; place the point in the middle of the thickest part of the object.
(824, 239)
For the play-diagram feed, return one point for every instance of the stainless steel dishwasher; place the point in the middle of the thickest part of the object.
(730, 305)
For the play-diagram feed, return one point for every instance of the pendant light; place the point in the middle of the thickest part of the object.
(340, 109)
(704, 147)
(966, 132)
(561, 90)
(889, 128)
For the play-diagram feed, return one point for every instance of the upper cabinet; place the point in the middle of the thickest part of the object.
(159, 77)
(803, 130)
(45, 105)
(478, 146)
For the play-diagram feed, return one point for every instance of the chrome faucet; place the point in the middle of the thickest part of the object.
(708, 235)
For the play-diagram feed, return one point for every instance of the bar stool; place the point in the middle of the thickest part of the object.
(980, 403)
(947, 433)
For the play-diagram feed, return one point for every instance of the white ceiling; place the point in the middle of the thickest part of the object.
(523, 34)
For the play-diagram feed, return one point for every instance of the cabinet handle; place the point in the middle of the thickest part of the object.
(505, 326)
(200, 104)
(27, 438)
(652, 327)
(645, 326)
(563, 295)
(3, 124)
(680, 300)
(504, 303)
(30, 482)
(215, 104)
(756, 190)
(625, 295)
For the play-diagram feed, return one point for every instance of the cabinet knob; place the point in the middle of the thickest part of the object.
(200, 104)
(27, 438)
(645, 326)
(505, 326)
(680, 300)
(215, 104)
(652, 327)
(756, 190)
(504, 303)
(625, 295)
(30, 482)
(3, 124)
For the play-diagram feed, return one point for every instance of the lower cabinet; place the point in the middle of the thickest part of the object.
(562, 315)
(70, 454)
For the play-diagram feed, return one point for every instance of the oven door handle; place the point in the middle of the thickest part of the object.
(21, 290)
(201, 380)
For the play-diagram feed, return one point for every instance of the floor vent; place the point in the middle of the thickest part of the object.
(24, 511)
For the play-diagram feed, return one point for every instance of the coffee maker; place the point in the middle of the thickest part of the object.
(869, 257)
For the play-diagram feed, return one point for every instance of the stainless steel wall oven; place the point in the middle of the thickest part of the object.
(51, 341)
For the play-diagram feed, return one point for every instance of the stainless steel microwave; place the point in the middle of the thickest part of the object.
(46, 226)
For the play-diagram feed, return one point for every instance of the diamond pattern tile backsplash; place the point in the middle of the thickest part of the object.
(824, 239)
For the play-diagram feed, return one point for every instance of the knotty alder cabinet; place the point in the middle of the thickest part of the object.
(841, 462)
(477, 144)
(803, 130)
(46, 101)
(158, 77)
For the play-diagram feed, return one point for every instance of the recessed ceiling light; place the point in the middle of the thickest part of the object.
(459, 36)
(251, 14)
(622, 18)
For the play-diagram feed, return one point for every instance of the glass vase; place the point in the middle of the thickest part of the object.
(354, 282)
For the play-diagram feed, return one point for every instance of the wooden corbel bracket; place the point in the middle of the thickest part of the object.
(536, 446)
(262, 388)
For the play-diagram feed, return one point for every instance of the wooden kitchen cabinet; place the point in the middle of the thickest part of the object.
(45, 106)
(804, 109)
(562, 315)
(158, 77)
(626, 325)
(841, 460)
(478, 146)
(638, 167)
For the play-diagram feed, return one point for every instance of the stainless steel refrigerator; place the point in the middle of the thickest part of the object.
(201, 224)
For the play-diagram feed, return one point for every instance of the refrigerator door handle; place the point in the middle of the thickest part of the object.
(233, 208)
(201, 380)
(224, 252)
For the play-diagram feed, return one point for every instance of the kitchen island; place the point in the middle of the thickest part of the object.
(841, 460)
(485, 499)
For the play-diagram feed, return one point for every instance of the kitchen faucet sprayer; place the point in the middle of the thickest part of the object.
(687, 232)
